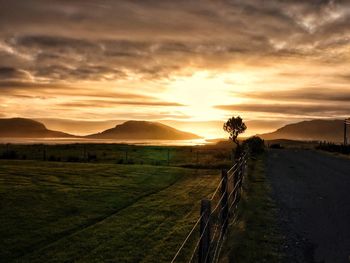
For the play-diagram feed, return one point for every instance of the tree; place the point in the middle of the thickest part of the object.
(235, 126)
(256, 145)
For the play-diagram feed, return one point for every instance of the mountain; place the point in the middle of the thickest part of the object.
(317, 130)
(143, 130)
(78, 127)
(27, 128)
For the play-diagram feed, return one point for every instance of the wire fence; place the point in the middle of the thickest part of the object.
(204, 242)
(186, 156)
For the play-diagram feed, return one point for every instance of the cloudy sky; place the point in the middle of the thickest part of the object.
(188, 63)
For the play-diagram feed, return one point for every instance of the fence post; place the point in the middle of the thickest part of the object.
(345, 133)
(244, 165)
(242, 171)
(240, 178)
(236, 182)
(224, 202)
(204, 232)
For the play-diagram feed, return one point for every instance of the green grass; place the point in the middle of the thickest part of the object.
(254, 237)
(181, 156)
(84, 212)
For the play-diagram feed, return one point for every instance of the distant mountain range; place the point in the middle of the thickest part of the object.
(27, 128)
(321, 130)
(130, 130)
(318, 130)
(143, 130)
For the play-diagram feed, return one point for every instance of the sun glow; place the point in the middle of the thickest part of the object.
(203, 90)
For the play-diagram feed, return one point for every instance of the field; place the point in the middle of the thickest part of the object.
(97, 212)
(209, 156)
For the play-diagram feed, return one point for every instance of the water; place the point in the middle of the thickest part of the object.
(84, 140)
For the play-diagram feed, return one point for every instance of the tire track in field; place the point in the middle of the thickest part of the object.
(89, 252)
(49, 242)
(58, 185)
(164, 230)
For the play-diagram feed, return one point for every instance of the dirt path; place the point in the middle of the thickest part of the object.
(312, 191)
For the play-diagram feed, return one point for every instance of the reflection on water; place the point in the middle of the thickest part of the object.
(83, 140)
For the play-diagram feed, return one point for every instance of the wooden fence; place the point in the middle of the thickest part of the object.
(204, 242)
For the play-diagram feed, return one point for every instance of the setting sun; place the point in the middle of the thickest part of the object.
(174, 131)
(199, 93)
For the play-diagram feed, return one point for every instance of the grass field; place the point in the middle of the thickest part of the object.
(207, 156)
(97, 212)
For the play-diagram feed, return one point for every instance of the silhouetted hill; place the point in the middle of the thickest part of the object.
(27, 128)
(320, 130)
(144, 130)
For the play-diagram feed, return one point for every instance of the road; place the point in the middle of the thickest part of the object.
(312, 193)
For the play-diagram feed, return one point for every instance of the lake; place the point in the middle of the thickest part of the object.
(84, 140)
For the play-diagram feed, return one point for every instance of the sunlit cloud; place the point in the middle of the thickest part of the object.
(300, 110)
(176, 61)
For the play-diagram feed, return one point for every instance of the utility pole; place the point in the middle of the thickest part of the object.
(345, 139)
(346, 123)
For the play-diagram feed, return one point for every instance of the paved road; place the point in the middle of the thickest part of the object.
(312, 191)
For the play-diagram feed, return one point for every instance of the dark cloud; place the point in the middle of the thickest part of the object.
(22, 96)
(345, 77)
(49, 47)
(110, 36)
(309, 110)
(9, 73)
(303, 94)
(96, 73)
(10, 85)
(109, 103)
(48, 42)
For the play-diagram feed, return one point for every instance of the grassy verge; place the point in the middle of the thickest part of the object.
(334, 154)
(254, 237)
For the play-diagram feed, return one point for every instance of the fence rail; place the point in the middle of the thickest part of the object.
(215, 216)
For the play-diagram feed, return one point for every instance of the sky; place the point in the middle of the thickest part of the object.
(190, 64)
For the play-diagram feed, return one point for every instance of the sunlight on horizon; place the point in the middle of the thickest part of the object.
(202, 91)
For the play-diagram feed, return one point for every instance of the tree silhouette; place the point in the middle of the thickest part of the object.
(235, 126)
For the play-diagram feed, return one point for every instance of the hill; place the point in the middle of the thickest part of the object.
(314, 130)
(27, 128)
(143, 130)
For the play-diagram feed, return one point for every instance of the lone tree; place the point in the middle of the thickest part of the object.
(235, 126)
